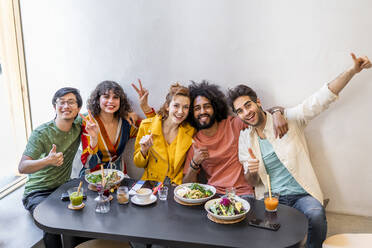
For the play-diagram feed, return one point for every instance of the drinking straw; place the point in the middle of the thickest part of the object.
(269, 186)
(103, 176)
(157, 188)
(80, 184)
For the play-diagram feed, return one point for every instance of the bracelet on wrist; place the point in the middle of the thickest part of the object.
(150, 111)
(276, 110)
(194, 166)
(193, 161)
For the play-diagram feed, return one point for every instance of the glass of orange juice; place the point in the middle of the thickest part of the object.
(271, 204)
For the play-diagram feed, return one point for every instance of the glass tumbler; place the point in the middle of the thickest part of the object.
(230, 192)
(103, 202)
(163, 193)
(122, 195)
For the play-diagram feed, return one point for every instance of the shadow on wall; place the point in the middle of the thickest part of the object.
(320, 158)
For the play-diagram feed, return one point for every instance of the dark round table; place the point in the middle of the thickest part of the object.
(167, 223)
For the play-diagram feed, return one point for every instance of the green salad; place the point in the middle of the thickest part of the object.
(92, 178)
(227, 206)
(194, 191)
(110, 178)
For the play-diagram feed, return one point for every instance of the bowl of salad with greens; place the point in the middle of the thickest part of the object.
(112, 177)
(194, 192)
(227, 208)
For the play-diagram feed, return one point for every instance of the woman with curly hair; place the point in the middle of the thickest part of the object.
(107, 128)
(162, 141)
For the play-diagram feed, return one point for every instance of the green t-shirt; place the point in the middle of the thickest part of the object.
(39, 145)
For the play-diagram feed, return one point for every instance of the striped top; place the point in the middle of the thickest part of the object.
(105, 151)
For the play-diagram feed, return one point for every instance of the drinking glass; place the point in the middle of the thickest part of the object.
(271, 204)
(103, 202)
(75, 198)
(122, 195)
(230, 192)
(163, 193)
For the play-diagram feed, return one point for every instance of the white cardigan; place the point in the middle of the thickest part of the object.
(291, 149)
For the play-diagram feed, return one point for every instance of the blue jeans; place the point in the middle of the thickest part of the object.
(315, 214)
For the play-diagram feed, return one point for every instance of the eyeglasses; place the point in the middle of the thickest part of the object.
(70, 103)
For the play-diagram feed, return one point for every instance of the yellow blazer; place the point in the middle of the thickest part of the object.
(157, 170)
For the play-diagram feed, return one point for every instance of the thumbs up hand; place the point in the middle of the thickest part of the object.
(253, 162)
(55, 158)
(360, 63)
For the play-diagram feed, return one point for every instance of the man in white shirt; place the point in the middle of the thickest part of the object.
(287, 160)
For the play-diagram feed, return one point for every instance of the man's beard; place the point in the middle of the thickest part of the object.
(260, 118)
(212, 120)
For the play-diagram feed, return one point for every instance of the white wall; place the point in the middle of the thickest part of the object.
(285, 50)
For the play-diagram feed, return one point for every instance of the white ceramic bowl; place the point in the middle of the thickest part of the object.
(201, 200)
(106, 171)
(246, 207)
(143, 194)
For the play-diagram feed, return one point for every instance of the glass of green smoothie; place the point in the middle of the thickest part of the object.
(75, 198)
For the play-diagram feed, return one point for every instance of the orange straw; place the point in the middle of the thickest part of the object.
(268, 183)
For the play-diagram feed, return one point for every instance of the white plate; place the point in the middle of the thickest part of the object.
(213, 189)
(106, 171)
(246, 206)
(136, 201)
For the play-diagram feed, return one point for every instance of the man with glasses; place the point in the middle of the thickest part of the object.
(50, 152)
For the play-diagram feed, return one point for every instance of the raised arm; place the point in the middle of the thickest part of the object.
(342, 80)
(321, 100)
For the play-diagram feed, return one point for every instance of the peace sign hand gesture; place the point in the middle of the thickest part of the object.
(91, 128)
(142, 94)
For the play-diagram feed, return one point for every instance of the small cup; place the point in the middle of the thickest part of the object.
(143, 194)
(271, 204)
(122, 195)
(163, 193)
(75, 198)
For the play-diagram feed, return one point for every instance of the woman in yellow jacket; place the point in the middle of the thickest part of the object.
(163, 141)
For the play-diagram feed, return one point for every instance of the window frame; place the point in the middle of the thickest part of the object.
(15, 81)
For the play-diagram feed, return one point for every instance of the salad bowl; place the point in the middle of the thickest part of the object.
(220, 203)
(181, 192)
(112, 176)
